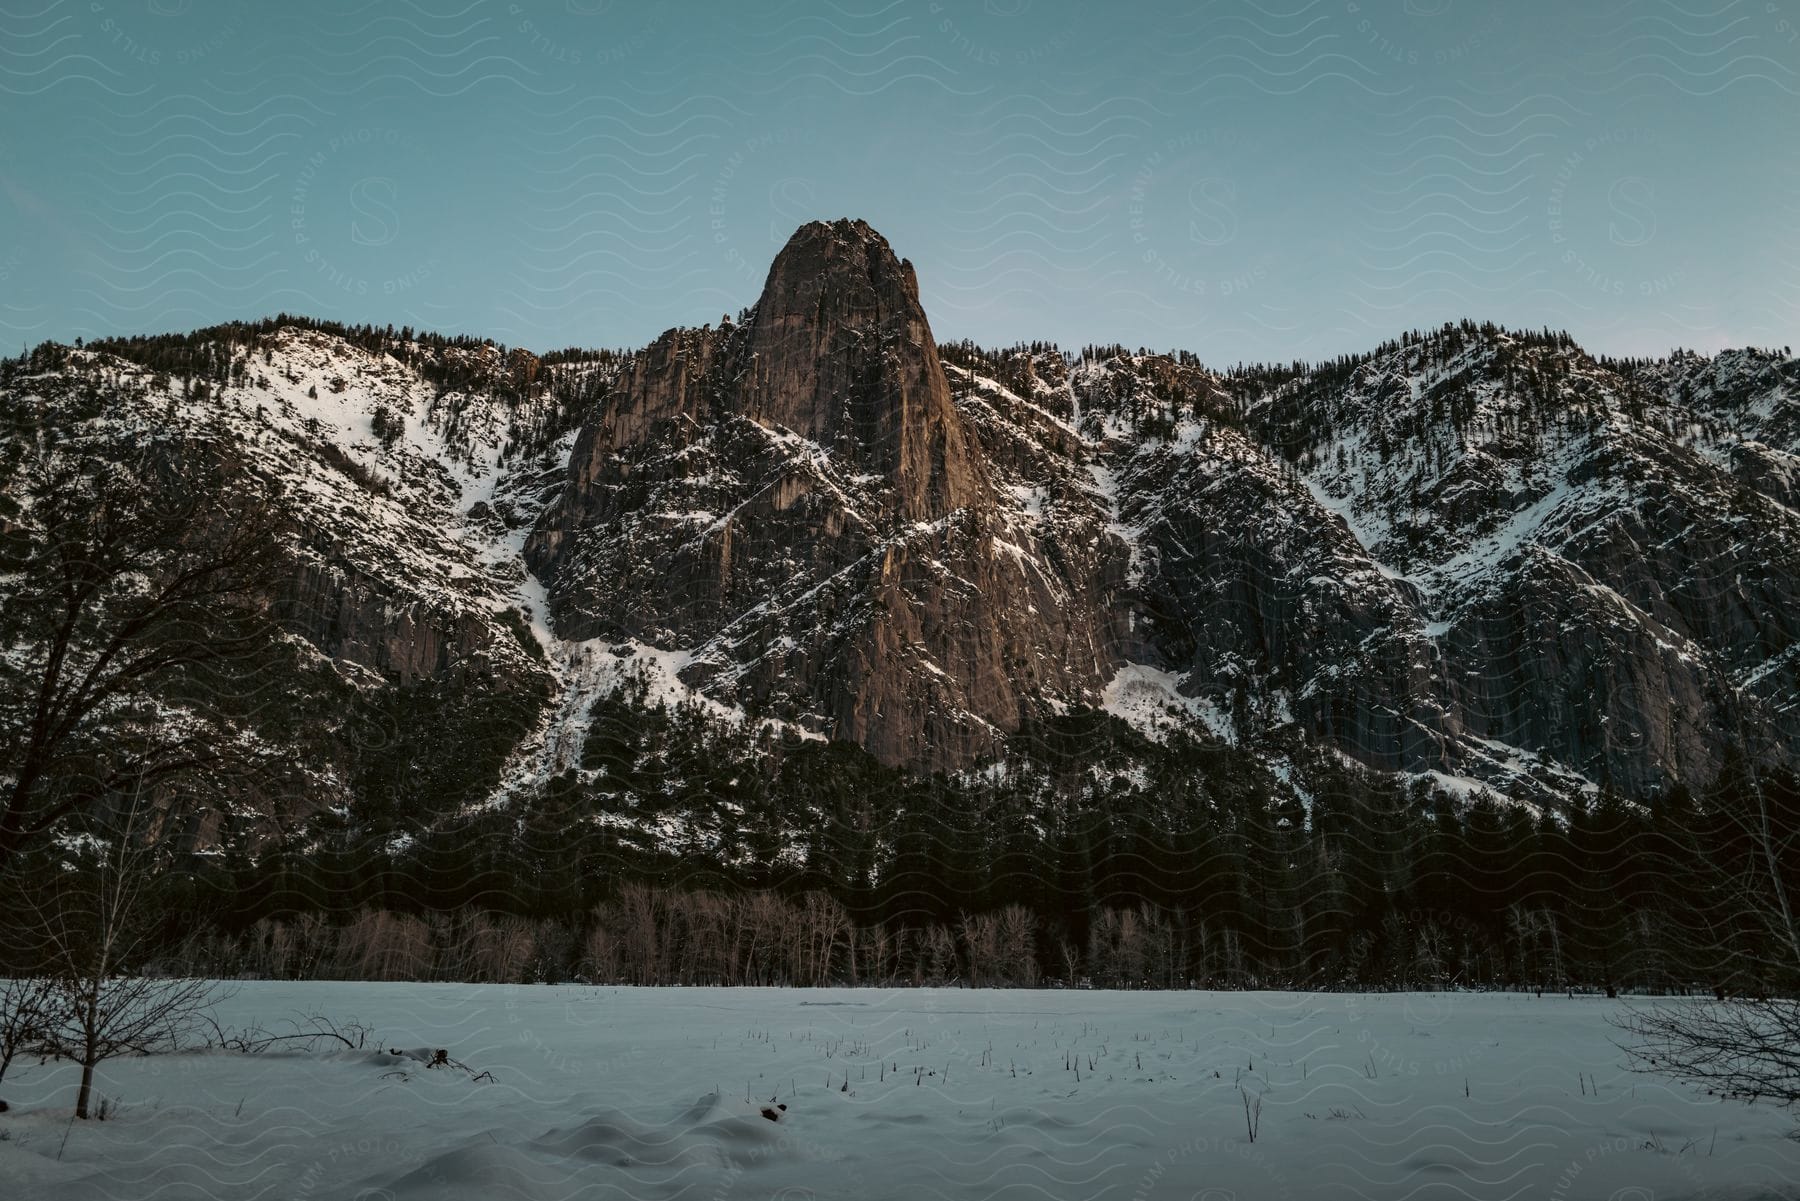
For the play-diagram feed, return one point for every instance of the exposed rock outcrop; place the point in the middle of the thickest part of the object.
(798, 503)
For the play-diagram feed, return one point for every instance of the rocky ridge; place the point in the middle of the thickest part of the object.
(1475, 555)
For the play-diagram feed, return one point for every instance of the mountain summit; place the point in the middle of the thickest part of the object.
(840, 352)
(797, 502)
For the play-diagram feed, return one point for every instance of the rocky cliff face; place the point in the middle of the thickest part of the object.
(840, 353)
(395, 466)
(1476, 555)
(799, 506)
(1603, 588)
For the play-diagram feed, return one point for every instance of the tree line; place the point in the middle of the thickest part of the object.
(684, 847)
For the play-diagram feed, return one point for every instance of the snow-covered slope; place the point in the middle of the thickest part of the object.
(1471, 555)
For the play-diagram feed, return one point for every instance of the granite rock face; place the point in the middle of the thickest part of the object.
(798, 504)
(840, 353)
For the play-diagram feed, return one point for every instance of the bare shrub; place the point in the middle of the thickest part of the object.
(25, 1008)
(1747, 1048)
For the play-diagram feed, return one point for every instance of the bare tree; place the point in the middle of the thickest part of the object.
(827, 928)
(1744, 1047)
(938, 950)
(1761, 879)
(24, 1011)
(122, 580)
(1018, 946)
(981, 943)
(94, 928)
(1740, 1045)
(1071, 962)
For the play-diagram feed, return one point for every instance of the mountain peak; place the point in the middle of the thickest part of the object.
(845, 268)
(843, 229)
(855, 238)
(841, 352)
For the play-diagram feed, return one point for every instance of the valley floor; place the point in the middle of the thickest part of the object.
(646, 1093)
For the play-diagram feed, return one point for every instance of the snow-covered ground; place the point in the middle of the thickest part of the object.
(640, 1093)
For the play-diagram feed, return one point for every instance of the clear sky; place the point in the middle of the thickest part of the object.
(1277, 179)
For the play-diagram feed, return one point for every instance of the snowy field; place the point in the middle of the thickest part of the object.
(641, 1093)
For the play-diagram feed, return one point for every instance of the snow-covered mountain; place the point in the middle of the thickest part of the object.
(1475, 555)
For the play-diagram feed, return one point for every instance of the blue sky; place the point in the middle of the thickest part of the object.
(1245, 180)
